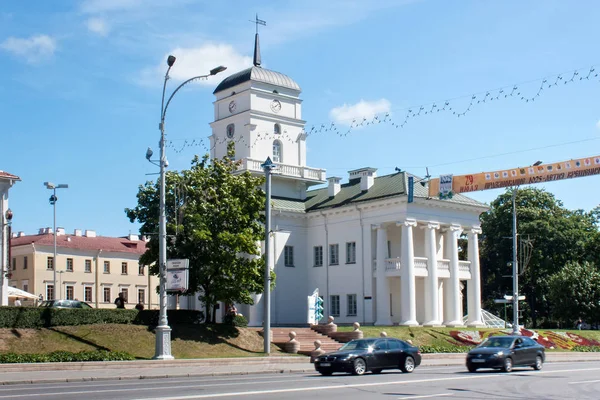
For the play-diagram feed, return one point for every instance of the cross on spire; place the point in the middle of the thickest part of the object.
(258, 22)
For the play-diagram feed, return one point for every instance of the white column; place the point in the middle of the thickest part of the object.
(474, 285)
(454, 317)
(382, 285)
(4, 245)
(407, 273)
(432, 314)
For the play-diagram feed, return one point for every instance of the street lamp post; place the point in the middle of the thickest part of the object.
(60, 283)
(163, 331)
(53, 200)
(515, 269)
(268, 166)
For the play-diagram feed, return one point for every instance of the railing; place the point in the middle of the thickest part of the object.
(313, 174)
(443, 265)
(464, 266)
(392, 264)
(421, 263)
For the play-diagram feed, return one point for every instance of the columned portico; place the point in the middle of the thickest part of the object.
(382, 284)
(453, 315)
(474, 285)
(407, 280)
(432, 314)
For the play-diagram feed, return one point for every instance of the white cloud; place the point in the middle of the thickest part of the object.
(345, 114)
(34, 49)
(198, 61)
(97, 26)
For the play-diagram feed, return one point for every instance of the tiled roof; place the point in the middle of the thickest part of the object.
(386, 186)
(260, 75)
(6, 175)
(104, 243)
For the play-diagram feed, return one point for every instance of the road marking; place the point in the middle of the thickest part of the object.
(594, 381)
(426, 396)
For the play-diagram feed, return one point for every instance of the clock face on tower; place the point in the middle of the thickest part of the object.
(232, 106)
(275, 106)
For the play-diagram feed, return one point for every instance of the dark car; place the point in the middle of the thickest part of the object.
(371, 354)
(506, 352)
(64, 304)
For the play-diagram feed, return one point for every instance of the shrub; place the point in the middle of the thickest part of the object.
(237, 320)
(587, 349)
(66, 356)
(444, 349)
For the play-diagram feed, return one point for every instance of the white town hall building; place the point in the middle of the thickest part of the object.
(375, 257)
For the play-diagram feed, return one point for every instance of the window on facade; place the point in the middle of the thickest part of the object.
(125, 294)
(318, 256)
(141, 269)
(277, 156)
(14, 264)
(70, 264)
(49, 292)
(50, 263)
(334, 304)
(141, 296)
(230, 131)
(70, 292)
(334, 254)
(277, 129)
(25, 262)
(389, 249)
(124, 268)
(107, 267)
(351, 305)
(88, 265)
(26, 285)
(87, 294)
(350, 252)
(288, 256)
(106, 295)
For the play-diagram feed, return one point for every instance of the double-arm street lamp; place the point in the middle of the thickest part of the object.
(53, 200)
(163, 331)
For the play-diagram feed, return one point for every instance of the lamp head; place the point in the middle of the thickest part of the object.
(218, 69)
(9, 215)
(398, 169)
(171, 60)
(149, 153)
(50, 185)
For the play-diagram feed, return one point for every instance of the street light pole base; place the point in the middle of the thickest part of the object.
(163, 343)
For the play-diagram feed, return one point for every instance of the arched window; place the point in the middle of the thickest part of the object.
(277, 129)
(277, 156)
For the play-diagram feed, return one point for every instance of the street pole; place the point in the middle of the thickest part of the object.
(53, 200)
(515, 327)
(267, 167)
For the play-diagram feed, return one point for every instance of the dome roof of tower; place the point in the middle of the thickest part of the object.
(258, 74)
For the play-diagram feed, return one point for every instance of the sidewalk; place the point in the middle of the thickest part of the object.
(149, 369)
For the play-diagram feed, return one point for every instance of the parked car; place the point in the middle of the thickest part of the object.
(370, 354)
(506, 352)
(64, 304)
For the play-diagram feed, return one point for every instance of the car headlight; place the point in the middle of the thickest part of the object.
(344, 358)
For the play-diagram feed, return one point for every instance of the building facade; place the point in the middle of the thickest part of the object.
(6, 182)
(90, 268)
(374, 256)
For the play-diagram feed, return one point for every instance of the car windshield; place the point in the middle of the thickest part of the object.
(361, 344)
(497, 342)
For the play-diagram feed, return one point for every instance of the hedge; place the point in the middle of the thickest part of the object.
(445, 349)
(43, 317)
(66, 356)
(587, 349)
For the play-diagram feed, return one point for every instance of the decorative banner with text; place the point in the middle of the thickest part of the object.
(542, 173)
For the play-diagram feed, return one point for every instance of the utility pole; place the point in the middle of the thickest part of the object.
(268, 166)
(515, 268)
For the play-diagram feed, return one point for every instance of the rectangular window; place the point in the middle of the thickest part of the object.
(14, 263)
(334, 304)
(49, 292)
(106, 294)
(26, 285)
(351, 305)
(141, 269)
(123, 268)
(70, 264)
(87, 294)
(25, 262)
(107, 267)
(50, 263)
(88, 265)
(288, 256)
(125, 294)
(141, 296)
(334, 254)
(350, 252)
(318, 256)
(70, 292)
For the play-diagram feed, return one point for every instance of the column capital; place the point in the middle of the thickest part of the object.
(431, 225)
(475, 230)
(454, 228)
(377, 226)
(407, 222)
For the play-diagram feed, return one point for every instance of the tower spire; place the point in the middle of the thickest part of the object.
(258, 22)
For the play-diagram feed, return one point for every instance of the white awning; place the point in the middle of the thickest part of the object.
(14, 292)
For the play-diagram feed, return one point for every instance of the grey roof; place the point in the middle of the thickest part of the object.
(258, 74)
(386, 186)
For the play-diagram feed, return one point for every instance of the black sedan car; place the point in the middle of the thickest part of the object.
(64, 304)
(506, 352)
(372, 354)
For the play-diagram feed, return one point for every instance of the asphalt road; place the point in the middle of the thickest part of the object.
(577, 380)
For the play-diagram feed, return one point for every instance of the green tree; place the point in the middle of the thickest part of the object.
(558, 235)
(575, 292)
(215, 219)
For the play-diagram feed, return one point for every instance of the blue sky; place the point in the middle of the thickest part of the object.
(82, 83)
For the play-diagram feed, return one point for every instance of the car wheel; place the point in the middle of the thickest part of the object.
(359, 367)
(376, 370)
(409, 365)
(508, 364)
(325, 373)
(472, 369)
(539, 363)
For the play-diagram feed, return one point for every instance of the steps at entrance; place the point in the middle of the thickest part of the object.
(306, 337)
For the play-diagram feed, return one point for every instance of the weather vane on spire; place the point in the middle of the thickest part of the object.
(256, 44)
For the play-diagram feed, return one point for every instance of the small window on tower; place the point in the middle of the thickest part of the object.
(277, 129)
(230, 131)
(277, 157)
